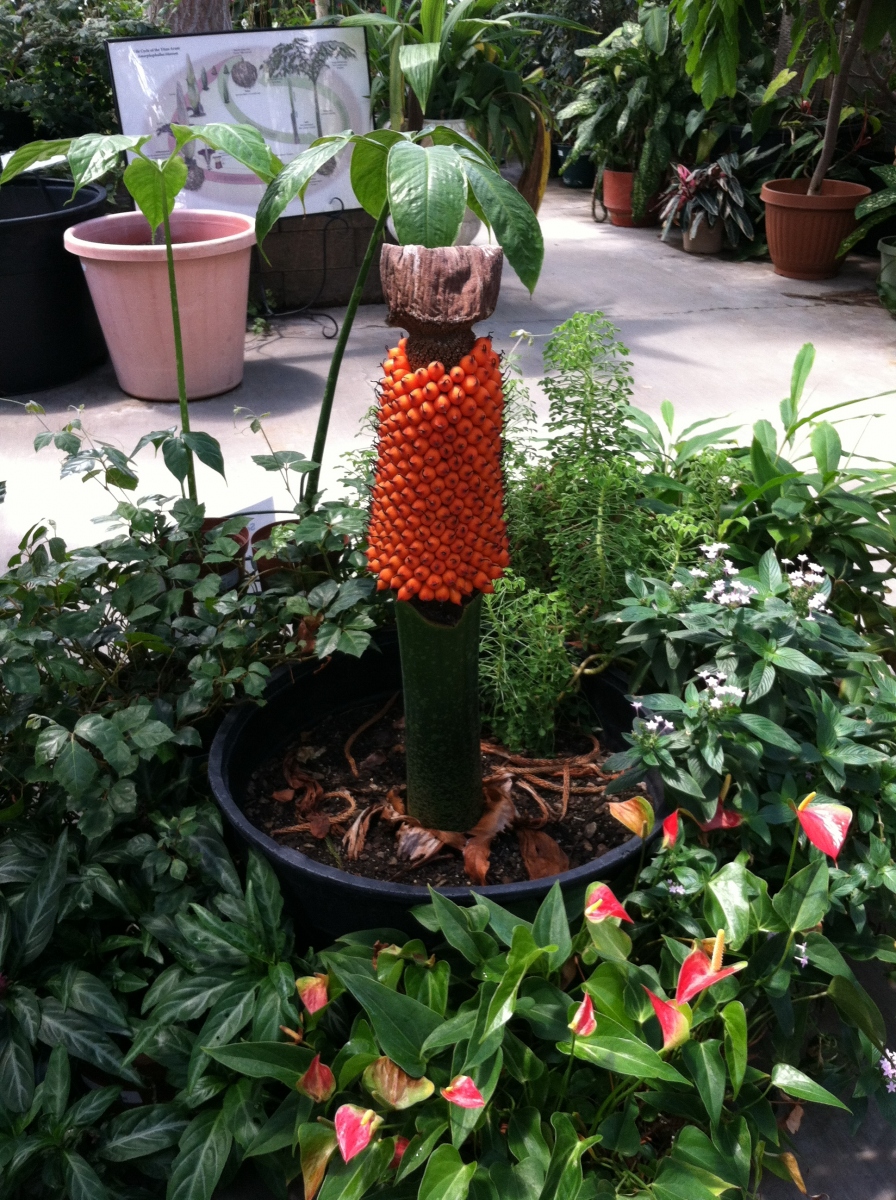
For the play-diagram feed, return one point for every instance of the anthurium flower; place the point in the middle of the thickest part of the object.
(313, 991)
(463, 1092)
(393, 1087)
(825, 825)
(723, 818)
(584, 1023)
(318, 1082)
(401, 1144)
(675, 1024)
(354, 1128)
(670, 830)
(635, 814)
(600, 904)
(698, 971)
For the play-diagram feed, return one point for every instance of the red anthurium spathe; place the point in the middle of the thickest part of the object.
(825, 825)
(675, 1024)
(635, 814)
(584, 1022)
(699, 971)
(313, 991)
(670, 830)
(354, 1128)
(318, 1082)
(401, 1144)
(463, 1092)
(723, 818)
(600, 904)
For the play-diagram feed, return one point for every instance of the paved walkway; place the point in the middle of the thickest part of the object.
(715, 337)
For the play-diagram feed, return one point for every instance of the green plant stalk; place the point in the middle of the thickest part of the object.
(793, 846)
(179, 356)
(440, 674)
(326, 407)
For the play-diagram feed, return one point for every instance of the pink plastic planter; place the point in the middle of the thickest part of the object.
(128, 280)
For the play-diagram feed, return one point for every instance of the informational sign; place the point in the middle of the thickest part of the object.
(292, 85)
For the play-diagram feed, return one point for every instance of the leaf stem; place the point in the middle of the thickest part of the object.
(179, 354)
(793, 846)
(326, 407)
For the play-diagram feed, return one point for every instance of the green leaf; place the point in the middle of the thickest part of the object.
(21, 678)
(655, 27)
(204, 1147)
(82, 1038)
(207, 449)
(454, 925)
(796, 1084)
(551, 928)
(703, 1061)
(803, 901)
(33, 152)
(420, 1146)
(74, 768)
(316, 1146)
(57, 1084)
(95, 154)
(432, 19)
(349, 1181)
(401, 1025)
(678, 1180)
(427, 193)
(419, 62)
(796, 661)
(770, 576)
(858, 1009)
(514, 223)
(16, 1069)
(279, 1131)
(264, 901)
(81, 1180)
(293, 180)
(734, 1018)
(726, 904)
(623, 1055)
(142, 1131)
(35, 914)
(564, 1176)
(502, 921)
(768, 731)
(265, 1060)
(447, 1176)
(155, 186)
(229, 1015)
(523, 953)
(242, 142)
(826, 447)
(368, 168)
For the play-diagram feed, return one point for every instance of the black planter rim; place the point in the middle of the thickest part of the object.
(225, 741)
(88, 195)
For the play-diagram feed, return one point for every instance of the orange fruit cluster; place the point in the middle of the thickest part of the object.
(436, 524)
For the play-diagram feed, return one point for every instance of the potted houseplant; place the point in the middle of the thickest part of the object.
(707, 202)
(807, 219)
(630, 113)
(172, 308)
(436, 534)
(879, 206)
(49, 334)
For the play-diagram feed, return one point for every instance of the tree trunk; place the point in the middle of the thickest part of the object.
(201, 16)
(321, 9)
(838, 95)
(785, 41)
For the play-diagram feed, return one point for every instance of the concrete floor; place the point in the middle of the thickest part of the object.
(717, 338)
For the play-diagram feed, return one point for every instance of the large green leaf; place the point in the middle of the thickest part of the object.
(401, 1024)
(292, 182)
(242, 142)
(523, 953)
(551, 927)
(419, 62)
(858, 1009)
(35, 914)
(623, 1056)
(33, 152)
(655, 28)
(279, 1131)
(142, 1131)
(678, 1180)
(726, 904)
(204, 1147)
(349, 1181)
(82, 1038)
(264, 902)
(368, 168)
(74, 769)
(795, 1083)
(826, 447)
(95, 154)
(704, 1064)
(514, 223)
(564, 1174)
(427, 193)
(734, 1018)
(265, 1060)
(57, 1084)
(454, 925)
(803, 901)
(230, 1014)
(16, 1069)
(432, 19)
(82, 1182)
(768, 731)
(447, 1176)
(155, 186)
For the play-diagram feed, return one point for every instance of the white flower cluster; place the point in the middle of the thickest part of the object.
(888, 1069)
(675, 889)
(801, 956)
(720, 693)
(805, 582)
(730, 592)
(713, 551)
(659, 726)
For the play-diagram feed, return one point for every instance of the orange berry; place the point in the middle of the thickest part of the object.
(470, 385)
(435, 370)
(426, 593)
(457, 374)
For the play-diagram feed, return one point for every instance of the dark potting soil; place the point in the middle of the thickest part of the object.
(316, 763)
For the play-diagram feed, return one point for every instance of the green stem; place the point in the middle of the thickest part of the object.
(179, 355)
(326, 407)
(793, 846)
(440, 676)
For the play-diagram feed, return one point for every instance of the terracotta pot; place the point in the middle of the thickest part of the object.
(804, 232)
(707, 239)
(617, 194)
(128, 280)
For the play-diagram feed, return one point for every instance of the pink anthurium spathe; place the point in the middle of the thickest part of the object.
(699, 971)
(314, 991)
(354, 1128)
(318, 1082)
(584, 1022)
(401, 1144)
(670, 830)
(723, 818)
(600, 904)
(825, 825)
(463, 1092)
(674, 1022)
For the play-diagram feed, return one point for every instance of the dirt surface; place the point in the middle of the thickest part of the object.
(309, 798)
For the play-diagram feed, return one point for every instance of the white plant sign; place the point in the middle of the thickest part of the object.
(292, 85)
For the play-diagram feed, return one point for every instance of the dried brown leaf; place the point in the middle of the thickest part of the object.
(319, 825)
(284, 795)
(542, 856)
(356, 836)
(376, 759)
(793, 1170)
(794, 1119)
(499, 815)
(417, 844)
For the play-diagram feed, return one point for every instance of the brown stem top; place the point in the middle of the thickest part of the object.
(450, 286)
(838, 95)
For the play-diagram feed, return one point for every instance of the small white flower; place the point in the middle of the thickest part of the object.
(715, 702)
(676, 585)
(697, 573)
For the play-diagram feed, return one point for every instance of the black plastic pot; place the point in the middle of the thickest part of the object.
(580, 174)
(333, 901)
(49, 334)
